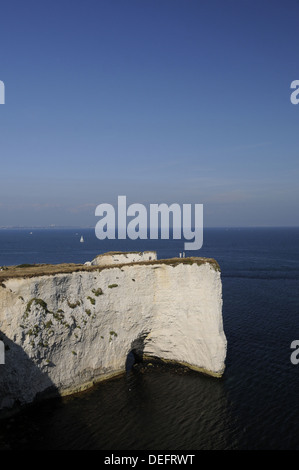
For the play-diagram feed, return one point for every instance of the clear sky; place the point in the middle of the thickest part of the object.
(183, 101)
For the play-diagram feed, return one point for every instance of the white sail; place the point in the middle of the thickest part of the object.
(82, 239)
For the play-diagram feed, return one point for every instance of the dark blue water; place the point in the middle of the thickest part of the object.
(254, 406)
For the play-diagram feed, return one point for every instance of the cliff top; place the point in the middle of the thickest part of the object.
(33, 270)
(110, 253)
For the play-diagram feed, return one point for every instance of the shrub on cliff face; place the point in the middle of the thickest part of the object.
(40, 302)
(97, 292)
(48, 324)
(59, 315)
(112, 333)
(34, 331)
(74, 304)
(112, 285)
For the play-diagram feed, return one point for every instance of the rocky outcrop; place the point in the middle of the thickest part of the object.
(67, 329)
(115, 257)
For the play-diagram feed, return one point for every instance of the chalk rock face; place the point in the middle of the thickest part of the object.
(65, 331)
(123, 258)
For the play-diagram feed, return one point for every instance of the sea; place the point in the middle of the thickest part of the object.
(254, 406)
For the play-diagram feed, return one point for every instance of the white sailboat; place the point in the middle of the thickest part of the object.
(82, 239)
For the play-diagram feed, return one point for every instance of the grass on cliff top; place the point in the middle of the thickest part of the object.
(110, 253)
(65, 268)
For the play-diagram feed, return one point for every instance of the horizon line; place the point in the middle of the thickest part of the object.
(85, 227)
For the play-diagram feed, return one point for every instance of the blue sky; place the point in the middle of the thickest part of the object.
(184, 101)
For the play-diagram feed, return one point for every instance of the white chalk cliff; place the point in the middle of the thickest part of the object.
(115, 257)
(64, 331)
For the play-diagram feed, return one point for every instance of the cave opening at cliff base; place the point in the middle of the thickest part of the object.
(130, 361)
(135, 355)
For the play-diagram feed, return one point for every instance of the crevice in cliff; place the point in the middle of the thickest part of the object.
(135, 356)
(130, 361)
